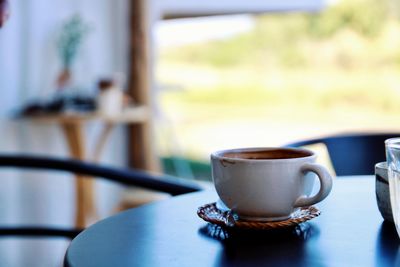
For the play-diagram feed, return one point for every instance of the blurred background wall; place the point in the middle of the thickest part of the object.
(28, 68)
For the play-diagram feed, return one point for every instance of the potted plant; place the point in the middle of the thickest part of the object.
(72, 35)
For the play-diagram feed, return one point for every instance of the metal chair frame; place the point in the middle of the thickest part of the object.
(172, 185)
(354, 153)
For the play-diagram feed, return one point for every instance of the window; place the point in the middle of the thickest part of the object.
(242, 81)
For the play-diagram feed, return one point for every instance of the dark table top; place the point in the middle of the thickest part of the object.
(349, 232)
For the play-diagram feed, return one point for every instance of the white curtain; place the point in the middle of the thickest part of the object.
(28, 68)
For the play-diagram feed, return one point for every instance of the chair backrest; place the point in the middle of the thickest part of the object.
(353, 154)
(167, 184)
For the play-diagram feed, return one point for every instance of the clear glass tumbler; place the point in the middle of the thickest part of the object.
(393, 160)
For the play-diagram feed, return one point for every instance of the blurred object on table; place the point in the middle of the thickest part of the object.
(110, 98)
(59, 104)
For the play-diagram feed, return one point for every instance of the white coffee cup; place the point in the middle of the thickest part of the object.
(268, 184)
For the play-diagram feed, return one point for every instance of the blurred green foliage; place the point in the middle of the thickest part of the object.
(292, 40)
(366, 17)
(293, 73)
(70, 39)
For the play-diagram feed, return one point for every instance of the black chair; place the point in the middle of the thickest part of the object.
(352, 154)
(129, 177)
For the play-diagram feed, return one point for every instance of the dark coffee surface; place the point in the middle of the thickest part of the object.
(278, 153)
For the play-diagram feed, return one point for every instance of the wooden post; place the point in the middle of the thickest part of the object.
(140, 136)
(85, 207)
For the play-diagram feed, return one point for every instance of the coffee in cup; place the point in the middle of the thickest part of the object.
(268, 184)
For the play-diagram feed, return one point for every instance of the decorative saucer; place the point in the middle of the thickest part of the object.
(210, 213)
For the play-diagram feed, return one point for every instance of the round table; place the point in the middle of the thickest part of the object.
(349, 232)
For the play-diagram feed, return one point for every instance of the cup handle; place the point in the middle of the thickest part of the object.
(325, 185)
